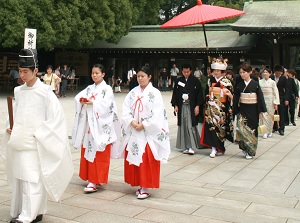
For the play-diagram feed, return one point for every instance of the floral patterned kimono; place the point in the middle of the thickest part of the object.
(145, 149)
(218, 124)
(97, 131)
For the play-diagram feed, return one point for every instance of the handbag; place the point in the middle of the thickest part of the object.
(276, 117)
(262, 129)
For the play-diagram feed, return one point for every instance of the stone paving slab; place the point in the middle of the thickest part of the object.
(274, 211)
(215, 202)
(260, 199)
(236, 216)
(163, 204)
(172, 217)
(96, 217)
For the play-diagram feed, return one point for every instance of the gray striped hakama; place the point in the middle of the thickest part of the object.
(187, 135)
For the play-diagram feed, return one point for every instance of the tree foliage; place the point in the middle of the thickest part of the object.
(172, 8)
(65, 23)
(79, 23)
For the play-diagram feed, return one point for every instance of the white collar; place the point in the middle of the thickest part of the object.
(247, 82)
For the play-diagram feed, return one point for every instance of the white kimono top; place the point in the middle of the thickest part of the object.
(270, 92)
(145, 106)
(97, 125)
(38, 145)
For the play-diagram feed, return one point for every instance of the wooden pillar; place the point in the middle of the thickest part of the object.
(276, 53)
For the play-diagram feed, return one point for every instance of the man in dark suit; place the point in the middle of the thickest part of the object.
(281, 81)
(293, 97)
(186, 99)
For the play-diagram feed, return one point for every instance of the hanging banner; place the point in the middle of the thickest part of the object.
(30, 39)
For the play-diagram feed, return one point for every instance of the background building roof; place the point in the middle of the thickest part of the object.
(220, 37)
(269, 16)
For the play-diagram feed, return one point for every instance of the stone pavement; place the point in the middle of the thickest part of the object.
(193, 188)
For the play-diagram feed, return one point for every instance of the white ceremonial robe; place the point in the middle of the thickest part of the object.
(99, 119)
(145, 106)
(37, 151)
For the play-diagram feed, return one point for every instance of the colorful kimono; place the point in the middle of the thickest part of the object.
(271, 97)
(145, 149)
(248, 104)
(218, 124)
(97, 131)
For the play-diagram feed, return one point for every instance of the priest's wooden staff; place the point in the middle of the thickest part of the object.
(10, 111)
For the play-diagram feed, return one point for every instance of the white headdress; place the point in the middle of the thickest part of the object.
(219, 64)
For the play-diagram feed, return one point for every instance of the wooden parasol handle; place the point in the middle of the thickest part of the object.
(10, 111)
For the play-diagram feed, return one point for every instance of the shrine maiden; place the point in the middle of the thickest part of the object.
(145, 135)
(96, 130)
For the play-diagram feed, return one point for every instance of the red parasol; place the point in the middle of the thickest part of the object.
(201, 14)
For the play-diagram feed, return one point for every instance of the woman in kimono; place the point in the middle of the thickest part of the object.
(218, 123)
(271, 96)
(96, 130)
(145, 135)
(248, 105)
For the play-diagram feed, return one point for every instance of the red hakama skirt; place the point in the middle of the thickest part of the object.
(96, 172)
(146, 175)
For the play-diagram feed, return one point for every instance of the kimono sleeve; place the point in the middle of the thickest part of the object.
(261, 100)
(174, 100)
(127, 117)
(53, 149)
(276, 94)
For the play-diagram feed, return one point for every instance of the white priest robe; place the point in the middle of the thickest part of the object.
(100, 119)
(145, 106)
(38, 148)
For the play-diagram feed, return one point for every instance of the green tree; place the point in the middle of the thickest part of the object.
(172, 8)
(64, 23)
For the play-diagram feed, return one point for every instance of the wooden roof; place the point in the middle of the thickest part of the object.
(220, 37)
(269, 17)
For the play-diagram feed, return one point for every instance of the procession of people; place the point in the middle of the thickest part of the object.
(232, 108)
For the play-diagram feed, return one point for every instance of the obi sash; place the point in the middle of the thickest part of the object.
(248, 98)
(216, 92)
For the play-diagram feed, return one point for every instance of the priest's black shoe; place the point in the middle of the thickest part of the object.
(14, 220)
(294, 124)
(281, 132)
(38, 218)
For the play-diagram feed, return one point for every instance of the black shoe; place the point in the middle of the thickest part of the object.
(294, 124)
(14, 220)
(281, 132)
(38, 218)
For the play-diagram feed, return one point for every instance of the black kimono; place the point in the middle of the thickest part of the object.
(247, 112)
(218, 122)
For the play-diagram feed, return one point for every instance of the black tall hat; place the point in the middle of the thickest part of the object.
(28, 58)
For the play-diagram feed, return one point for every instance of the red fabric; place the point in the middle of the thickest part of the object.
(146, 175)
(96, 172)
(201, 14)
